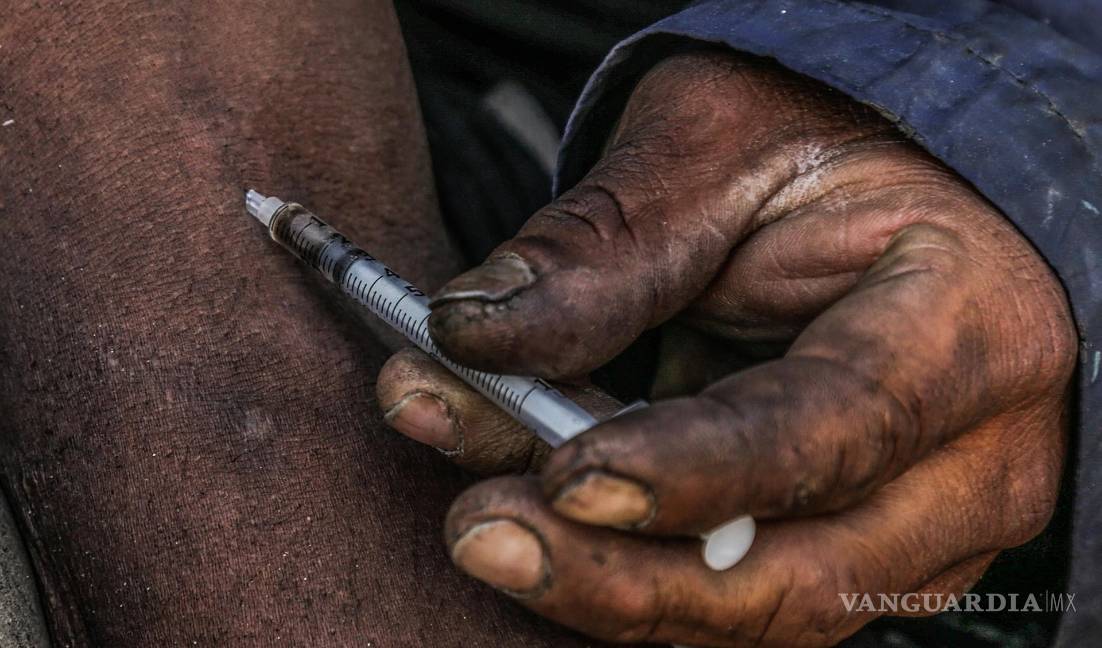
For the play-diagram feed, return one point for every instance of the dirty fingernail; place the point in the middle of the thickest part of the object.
(503, 554)
(424, 417)
(606, 500)
(496, 280)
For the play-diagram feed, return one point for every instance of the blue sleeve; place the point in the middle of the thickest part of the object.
(1011, 105)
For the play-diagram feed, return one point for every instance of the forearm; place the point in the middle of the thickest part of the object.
(135, 132)
(129, 259)
(185, 423)
(199, 100)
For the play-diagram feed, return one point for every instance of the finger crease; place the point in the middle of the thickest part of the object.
(772, 617)
(659, 615)
(621, 218)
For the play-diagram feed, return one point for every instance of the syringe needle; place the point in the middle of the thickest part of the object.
(262, 208)
(252, 202)
(533, 402)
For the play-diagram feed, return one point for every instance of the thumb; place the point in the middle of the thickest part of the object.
(584, 277)
(705, 140)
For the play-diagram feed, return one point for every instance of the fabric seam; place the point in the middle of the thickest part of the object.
(968, 49)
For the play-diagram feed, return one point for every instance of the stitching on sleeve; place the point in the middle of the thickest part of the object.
(1077, 130)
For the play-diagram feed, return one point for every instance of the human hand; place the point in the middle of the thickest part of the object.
(913, 427)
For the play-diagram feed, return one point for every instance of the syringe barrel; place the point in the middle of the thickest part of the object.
(550, 414)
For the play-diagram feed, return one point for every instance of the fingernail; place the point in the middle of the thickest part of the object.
(496, 280)
(424, 417)
(503, 554)
(606, 500)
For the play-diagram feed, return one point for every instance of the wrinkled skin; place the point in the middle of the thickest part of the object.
(189, 433)
(913, 427)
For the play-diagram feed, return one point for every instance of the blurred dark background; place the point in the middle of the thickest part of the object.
(492, 74)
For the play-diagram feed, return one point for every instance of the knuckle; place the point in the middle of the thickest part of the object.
(403, 363)
(636, 612)
(580, 455)
(1033, 489)
(499, 447)
(1021, 297)
(824, 619)
(391, 383)
(488, 499)
(1035, 516)
(682, 75)
(1056, 342)
(1063, 343)
(858, 435)
(593, 204)
(929, 248)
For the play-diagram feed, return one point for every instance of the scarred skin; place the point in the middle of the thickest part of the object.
(913, 427)
(189, 434)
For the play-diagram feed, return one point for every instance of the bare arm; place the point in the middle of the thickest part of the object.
(190, 439)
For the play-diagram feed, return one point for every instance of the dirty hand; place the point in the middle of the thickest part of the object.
(912, 428)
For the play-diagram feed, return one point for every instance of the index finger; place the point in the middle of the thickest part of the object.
(909, 360)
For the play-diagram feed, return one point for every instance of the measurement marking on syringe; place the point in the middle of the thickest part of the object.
(499, 388)
(421, 328)
(331, 261)
(525, 398)
(296, 240)
(375, 301)
(325, 261)
(526, 395)
(395, 307)
(374, 282)
(407, 320)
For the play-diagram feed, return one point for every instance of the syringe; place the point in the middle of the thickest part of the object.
(551, 415)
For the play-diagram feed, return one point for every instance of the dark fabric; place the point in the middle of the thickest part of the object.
(481, 208)
(460, 49)
(1079, 20)
(1000, 96)
(550, 47)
